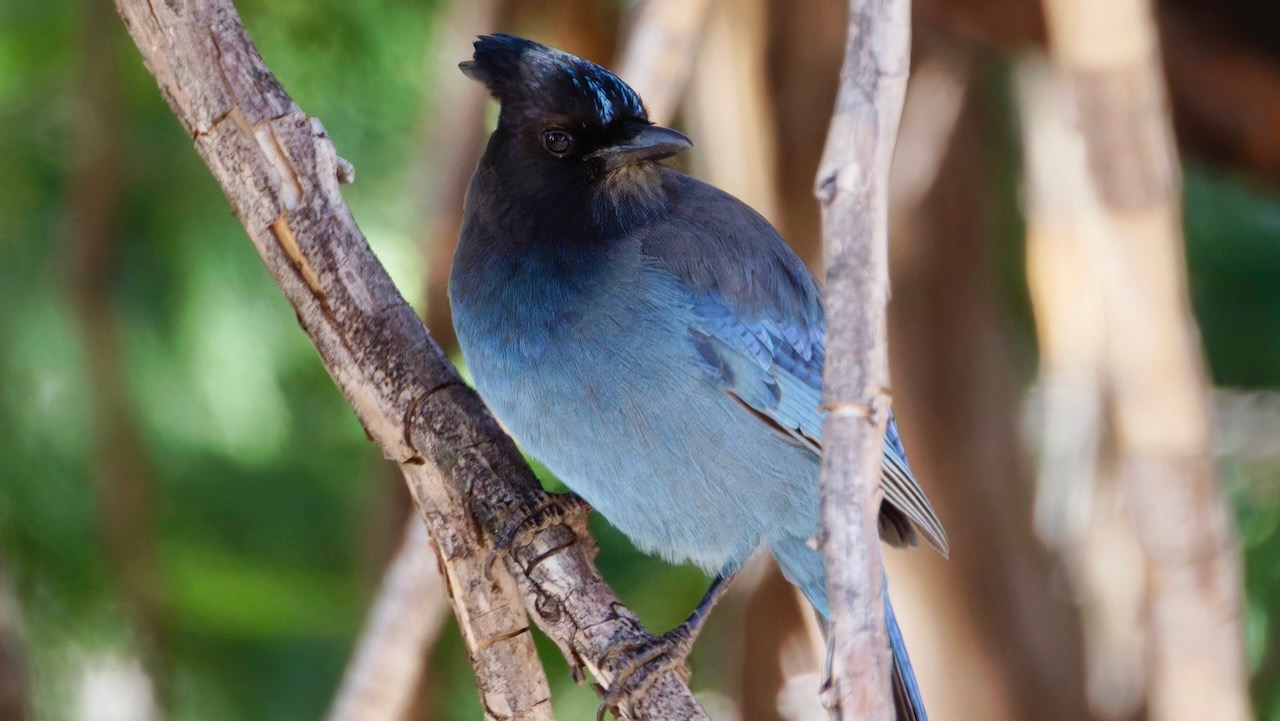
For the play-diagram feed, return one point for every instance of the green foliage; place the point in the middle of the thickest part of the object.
(1234, 259)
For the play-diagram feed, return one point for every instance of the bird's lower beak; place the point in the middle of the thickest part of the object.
(653, 142)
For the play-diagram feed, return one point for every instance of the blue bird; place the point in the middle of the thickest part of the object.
(651, 338)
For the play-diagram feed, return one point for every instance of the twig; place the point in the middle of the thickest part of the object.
(280, 171)
(1130, 220)
(853, 187)
(384, 671)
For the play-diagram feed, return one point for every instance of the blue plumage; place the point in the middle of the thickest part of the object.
(648, 337)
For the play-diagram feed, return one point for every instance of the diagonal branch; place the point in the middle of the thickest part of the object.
(853, 187)
(280, 171)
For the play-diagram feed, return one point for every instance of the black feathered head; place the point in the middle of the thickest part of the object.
(573, 109)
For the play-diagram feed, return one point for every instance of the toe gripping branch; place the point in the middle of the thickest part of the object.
(554, 509)
(638, 664)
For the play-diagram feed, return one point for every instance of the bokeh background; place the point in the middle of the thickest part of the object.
(193, 524)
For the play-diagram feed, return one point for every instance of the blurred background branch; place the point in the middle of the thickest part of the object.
(387, 666)
(122, 474)
(1125, 205)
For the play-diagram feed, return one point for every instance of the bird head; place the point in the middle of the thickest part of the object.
(563, 115)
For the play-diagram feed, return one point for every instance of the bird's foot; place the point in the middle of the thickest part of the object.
(640, 664)
(556, 508)
(644, 661)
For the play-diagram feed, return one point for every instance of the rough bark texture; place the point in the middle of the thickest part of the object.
(853, 189)
(1129, 217)
(281, 173)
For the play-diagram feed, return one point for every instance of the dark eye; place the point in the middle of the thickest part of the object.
(557, 142)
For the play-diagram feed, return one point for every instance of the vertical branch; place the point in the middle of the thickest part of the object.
(853, 189)
(1080, 510)
(121, 469)
(1130, 222)
(385, 670)
(1004, 620)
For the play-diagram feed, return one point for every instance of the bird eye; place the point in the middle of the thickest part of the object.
(557, 142)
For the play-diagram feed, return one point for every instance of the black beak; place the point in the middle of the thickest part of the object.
(653, 142)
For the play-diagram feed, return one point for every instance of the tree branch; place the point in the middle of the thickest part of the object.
(280, 171)
(379, 682)
(853, 186)
(122, 475)
(1129, 218)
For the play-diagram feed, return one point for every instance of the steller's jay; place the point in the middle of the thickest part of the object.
(651, 338)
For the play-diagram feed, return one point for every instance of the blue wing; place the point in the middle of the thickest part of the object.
(758, 326)
(775, 370)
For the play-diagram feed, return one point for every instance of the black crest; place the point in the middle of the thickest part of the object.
(520, 72)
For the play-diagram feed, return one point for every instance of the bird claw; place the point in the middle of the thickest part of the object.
(641, 665)
(555, 508)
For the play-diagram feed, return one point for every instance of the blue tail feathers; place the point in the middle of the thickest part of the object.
(802, 566)
(906, 691)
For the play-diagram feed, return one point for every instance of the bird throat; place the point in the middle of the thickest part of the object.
(631, 195)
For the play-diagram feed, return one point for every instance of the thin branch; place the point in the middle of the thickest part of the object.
(1130, 222)
(853, 187)
(121, 472)
(385, 670)
(280, 171)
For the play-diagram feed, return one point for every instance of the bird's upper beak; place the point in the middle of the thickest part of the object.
(653, 142)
